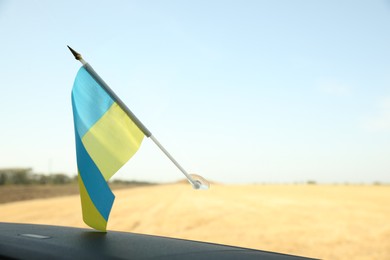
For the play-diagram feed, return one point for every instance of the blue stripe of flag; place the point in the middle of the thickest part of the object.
(90, 99)
(96, 186)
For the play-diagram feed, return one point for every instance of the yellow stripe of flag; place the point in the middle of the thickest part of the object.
(112, 141)
(91, 215)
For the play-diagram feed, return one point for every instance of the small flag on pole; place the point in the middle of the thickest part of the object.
(108, 134)
(106, 138)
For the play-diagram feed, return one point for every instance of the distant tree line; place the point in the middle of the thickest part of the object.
(26, 176)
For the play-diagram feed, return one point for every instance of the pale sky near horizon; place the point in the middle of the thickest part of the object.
(237, 91)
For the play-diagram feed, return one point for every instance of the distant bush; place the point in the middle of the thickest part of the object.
(15, 176)
(25, 176)
(135, 183)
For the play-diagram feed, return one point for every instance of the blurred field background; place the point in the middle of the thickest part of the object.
(322, 221)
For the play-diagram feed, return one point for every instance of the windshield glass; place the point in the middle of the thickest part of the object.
(282, 106)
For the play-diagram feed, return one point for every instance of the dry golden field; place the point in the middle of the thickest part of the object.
(322, 221)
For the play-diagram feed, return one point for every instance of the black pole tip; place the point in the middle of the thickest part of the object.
(76, 55)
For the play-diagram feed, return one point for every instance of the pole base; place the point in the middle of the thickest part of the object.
(200, 182)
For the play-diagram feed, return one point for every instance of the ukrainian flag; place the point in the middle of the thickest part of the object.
(106, 138)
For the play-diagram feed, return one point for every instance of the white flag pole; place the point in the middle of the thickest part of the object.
(197, 182)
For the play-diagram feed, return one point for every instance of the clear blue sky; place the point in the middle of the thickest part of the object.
(237, 91)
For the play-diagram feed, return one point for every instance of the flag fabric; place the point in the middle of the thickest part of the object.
(106, 138)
